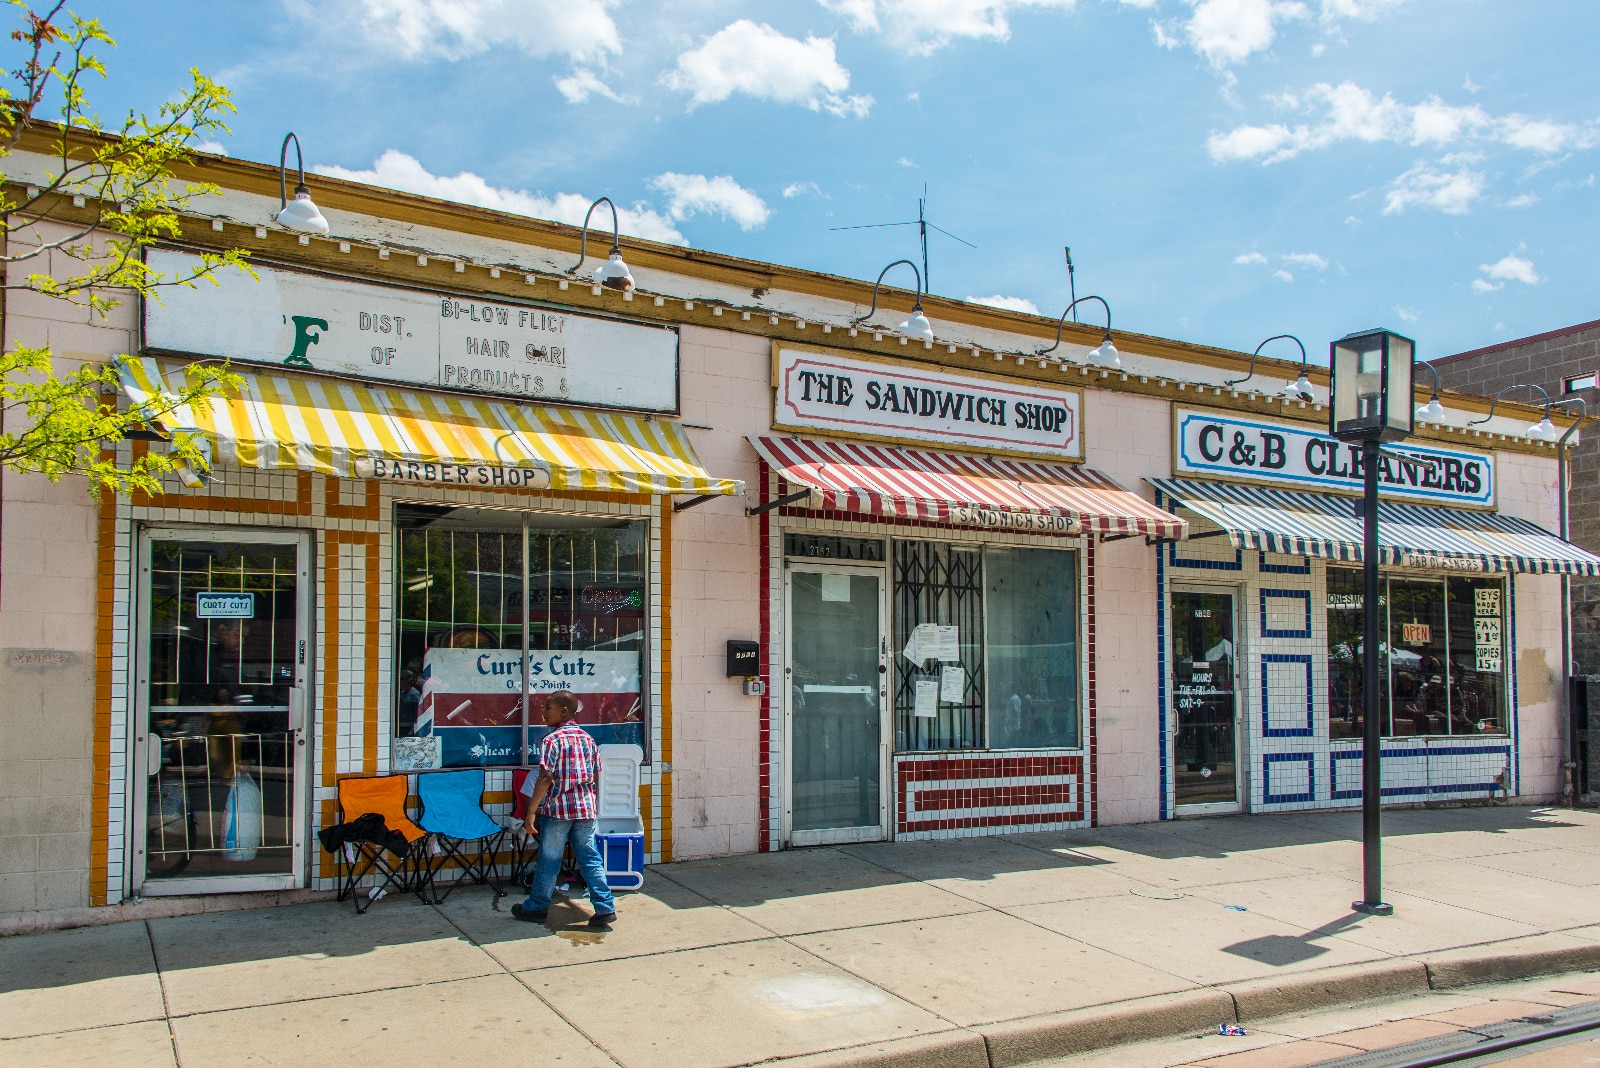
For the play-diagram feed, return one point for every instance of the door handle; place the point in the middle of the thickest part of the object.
(152, 755)
(297, 708)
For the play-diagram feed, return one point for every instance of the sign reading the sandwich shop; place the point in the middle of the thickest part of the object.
(841, 395)
(1296, 454)
(412, 336)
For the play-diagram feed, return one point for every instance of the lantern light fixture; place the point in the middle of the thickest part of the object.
(612, 274)
(916, 325)
(1300, 389)
(300, 214)
(1373, 387)
(1106, 354)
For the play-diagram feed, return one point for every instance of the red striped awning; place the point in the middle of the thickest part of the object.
(959, 488)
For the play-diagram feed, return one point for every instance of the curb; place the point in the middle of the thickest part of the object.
(1031, 1039)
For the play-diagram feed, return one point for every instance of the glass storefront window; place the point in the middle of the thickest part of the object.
(1015, 616)
(1443, 669)
(459, 673)
(1032, 647)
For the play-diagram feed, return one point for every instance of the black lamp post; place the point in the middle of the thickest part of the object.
(1373, 402)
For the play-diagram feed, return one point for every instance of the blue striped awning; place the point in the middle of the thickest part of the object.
(1409, 535)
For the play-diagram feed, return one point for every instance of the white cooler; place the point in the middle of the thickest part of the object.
(619, 833)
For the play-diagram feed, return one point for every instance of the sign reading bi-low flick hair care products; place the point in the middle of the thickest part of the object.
(862, 398)
(472, 698)
(1297, 455)
(313, 322)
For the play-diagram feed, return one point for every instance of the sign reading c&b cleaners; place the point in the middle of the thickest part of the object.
(861, 398)
(1297, 456)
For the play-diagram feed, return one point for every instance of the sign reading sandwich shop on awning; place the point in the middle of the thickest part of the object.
(312, 322)
(1298, 455)
(909, 402)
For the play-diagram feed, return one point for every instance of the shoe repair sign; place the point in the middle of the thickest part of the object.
(1300, 456)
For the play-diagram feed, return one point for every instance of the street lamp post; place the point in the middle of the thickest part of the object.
(1373, 402)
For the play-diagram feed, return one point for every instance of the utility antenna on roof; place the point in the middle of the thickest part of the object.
(923, 226)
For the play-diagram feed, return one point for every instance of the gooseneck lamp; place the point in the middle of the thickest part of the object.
(1543, 430)
(612, 274)
(1300, 389)
(1373, 401)
(1433, 411)
(1106, 354)
(300, 214)
(916, 325)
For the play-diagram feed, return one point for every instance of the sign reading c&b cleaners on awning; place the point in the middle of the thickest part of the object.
(1293, 454)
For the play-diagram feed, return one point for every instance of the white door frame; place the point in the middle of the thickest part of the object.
(1241, 678)
(140, 748)
(838, 835)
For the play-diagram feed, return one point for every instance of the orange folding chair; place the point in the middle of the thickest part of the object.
(365, 848)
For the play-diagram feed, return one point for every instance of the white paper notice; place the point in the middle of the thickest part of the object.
(836, 588)
(953, 684)
(945, 646)
(927, 705)
(917, 646)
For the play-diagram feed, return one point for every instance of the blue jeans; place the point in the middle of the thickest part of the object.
(554, 836)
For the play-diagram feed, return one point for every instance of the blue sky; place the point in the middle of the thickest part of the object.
(1224, 170)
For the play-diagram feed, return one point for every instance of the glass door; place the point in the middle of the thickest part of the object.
(837, 683)
(220, 740)
(1204, 701)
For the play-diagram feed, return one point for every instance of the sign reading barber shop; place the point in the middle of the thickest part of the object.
(841, 395)
(1294, 454)
(419, 337)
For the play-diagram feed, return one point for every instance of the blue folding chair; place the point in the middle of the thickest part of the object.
(452, 812)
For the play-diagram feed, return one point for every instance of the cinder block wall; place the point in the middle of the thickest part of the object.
(1548, 360)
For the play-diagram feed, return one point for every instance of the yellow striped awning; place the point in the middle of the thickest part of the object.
(327, 425)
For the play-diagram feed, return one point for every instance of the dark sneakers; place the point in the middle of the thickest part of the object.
(527, 915)
(602, 919)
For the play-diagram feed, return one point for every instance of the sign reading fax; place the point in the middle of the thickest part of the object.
(822, 391)
(1292, 454)
(295, 319)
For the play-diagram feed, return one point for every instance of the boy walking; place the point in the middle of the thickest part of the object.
(563, 797)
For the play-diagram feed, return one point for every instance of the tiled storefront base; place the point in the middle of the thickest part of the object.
(944, 795)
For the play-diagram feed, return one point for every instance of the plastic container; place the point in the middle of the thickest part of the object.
(619, 832)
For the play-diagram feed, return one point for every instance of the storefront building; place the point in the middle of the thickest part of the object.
(988, 588)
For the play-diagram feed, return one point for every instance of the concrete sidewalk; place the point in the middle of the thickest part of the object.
(975, 952)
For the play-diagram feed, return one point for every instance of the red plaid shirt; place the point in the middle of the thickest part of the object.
(573, 761)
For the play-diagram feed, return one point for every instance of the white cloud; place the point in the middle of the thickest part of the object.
(1366, 10)
(1511, 268)
(802, 189)
(1250, 257)
(1349, 112)
(905, 162)
(1228, 31)
(692, 194)
(1305, 259)
(925, 26)
(396, 170)
(455, 29)
(1525, 200)
(757, 60)
(1423, 186)
(1017, 304)
(1407, 314)
(1480, 286)
(214, 147)
(1283, 276)
(583, 83)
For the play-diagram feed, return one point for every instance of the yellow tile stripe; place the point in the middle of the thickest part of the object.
(324, 425)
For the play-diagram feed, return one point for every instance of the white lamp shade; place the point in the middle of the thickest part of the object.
(917, 326)
(1300, 389)
(1544, 430)
(1106, 354)
(614, 274)
(302, 216)
(1432, 412)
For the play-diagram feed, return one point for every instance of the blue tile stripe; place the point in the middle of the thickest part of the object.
(1267, 729)
(1286, 595)
(1310, 792)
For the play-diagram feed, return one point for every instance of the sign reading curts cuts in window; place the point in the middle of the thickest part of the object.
(862, 398)
(417, 337)
(1294, 454)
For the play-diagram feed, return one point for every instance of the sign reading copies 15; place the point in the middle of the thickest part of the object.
(296, 319)
(818, 391)
(1293, 454)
